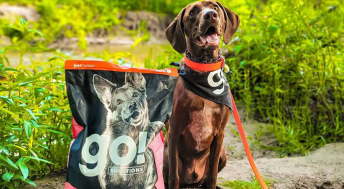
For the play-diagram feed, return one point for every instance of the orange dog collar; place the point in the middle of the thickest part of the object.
(204, 67)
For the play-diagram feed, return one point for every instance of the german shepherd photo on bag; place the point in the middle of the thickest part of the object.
(126, 120)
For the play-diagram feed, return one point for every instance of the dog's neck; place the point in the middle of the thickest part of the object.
(204, 55)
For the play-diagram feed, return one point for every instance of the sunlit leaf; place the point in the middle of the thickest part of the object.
(11, 139)
(4, 150)
(56, 132)
(55, 109)
(7, 176)
(34, 124)
(7, 100)
(8, 161)
(36, 32)
(243, 63)
(10, 69)
(237, 49)
(23, 168)
(28, 129)
(12, 114)
(273, 28)
(19, 147)
(38, 159)
(31, 114)
(22, 21)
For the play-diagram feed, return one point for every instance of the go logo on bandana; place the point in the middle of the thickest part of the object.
(216, 79)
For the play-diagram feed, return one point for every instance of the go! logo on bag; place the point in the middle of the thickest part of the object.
(101, 157)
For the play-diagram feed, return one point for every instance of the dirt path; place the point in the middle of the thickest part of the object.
(322, 169)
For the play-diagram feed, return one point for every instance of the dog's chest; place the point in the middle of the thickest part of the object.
(199, 122)
(199, 132)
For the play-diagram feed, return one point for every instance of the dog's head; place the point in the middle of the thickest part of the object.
(202, 24)
(127, 103)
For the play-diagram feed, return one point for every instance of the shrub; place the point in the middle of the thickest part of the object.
(288, 70)
(34, 115)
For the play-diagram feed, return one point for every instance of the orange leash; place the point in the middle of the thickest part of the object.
(245, 143)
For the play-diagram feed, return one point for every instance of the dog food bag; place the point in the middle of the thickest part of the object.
(118, 114)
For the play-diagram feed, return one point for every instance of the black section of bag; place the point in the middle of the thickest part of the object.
(121, 113)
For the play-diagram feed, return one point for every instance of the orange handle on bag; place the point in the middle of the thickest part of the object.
(245, 143)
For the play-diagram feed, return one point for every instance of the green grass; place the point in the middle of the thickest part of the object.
(239, 184)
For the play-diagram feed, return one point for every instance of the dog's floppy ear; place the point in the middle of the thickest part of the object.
(231, 25)
(175, 33)
(136, 80)
(103, 88)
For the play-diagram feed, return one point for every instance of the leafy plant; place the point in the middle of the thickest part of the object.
(23, 38)
(34, 112)
(288, 71)
(34, 116)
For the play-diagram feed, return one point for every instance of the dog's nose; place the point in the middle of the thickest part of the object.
(132, 107)
(135, 114)
(210, 14)
(194, 175)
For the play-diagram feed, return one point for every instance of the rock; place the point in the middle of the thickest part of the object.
(12, 12)
(155, 23)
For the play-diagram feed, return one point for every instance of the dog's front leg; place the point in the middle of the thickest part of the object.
(173, 180)
(214, 160)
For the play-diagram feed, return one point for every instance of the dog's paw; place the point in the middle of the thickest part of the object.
(153, 129)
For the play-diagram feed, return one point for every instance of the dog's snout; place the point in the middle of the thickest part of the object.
(210, 14)
(135, 114)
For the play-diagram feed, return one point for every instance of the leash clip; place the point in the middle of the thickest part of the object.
(181, 67)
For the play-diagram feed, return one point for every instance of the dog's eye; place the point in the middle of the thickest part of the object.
(135, 94)
(119, 101)
(193, 11)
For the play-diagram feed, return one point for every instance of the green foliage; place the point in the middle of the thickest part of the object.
(288, 71)
(61, 19)
(162, 6)
(77, 18)
(163, 60)
(23, 38)
(34, 113)
(287, 68)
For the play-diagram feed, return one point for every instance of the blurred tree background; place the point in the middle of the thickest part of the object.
(286, 60)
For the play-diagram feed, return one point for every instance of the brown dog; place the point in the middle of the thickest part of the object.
(194, 152)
